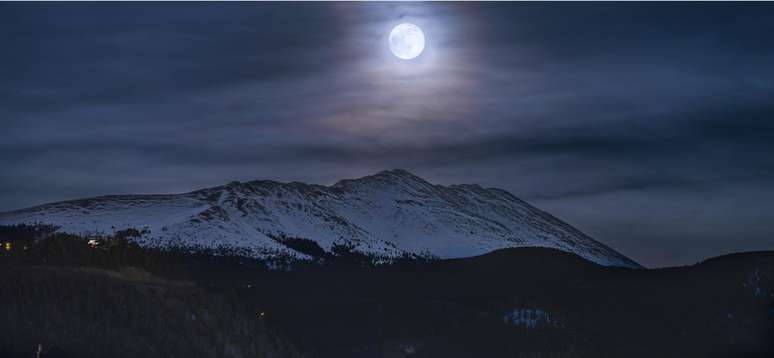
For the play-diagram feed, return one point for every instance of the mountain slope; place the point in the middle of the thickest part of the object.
(389, 214)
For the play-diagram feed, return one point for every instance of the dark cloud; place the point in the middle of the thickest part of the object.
(648, 126)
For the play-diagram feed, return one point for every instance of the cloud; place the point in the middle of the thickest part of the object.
(562, 105)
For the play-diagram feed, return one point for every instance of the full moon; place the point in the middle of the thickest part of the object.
(407, 41)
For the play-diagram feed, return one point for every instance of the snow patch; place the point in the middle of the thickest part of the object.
(528, 318)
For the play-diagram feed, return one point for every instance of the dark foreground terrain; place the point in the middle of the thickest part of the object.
(67, 297)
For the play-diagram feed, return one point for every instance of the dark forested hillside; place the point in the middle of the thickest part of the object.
(68, 297)
(98, 297)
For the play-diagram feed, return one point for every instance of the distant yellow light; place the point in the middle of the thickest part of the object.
(7, 246)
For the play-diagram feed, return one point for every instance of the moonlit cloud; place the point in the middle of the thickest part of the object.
(648, 126)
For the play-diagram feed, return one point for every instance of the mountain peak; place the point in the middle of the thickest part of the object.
(392, 176)
(401, 174)
(397, 172)
(388, 214)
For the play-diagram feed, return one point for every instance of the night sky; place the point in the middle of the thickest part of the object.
(648, 126)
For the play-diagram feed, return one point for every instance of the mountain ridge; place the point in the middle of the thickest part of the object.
(389, 214)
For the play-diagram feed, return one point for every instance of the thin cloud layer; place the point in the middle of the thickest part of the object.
(649, 126)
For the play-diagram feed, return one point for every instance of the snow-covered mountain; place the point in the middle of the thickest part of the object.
(389, 214)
